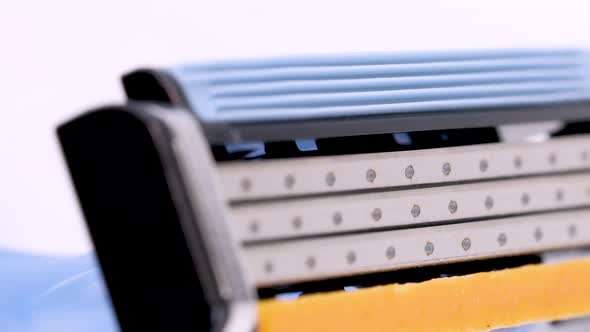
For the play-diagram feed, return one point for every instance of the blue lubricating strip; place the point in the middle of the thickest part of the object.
(312, 87)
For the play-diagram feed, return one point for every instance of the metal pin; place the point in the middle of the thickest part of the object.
(371, 175)
(310, 262)
(409, 172)
(538, 234)
(517, 162)
(376, 214)
(390, 253)
(502, 239)
(489, 202)
(453, 206)
(559, 195)
(268, 267)
(572, 230)
(446, 168)
(483, 165)
(330, 179)
(289, 181)
(254, 227)
(246, 184)
(429, 248)
(297, 222)
(415, 210)
(337, 218)
(351, 257)
(525, 199)
(552, 158)
(466, 243)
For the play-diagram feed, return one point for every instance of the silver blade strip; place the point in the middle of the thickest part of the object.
(288, 262)
(264, 179)
(407, 208)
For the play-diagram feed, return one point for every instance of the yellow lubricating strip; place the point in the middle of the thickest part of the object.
(477, 302)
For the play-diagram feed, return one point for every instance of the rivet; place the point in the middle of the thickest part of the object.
(584, 155)
(446, 168)
(552, 158)
(483, 165)
(289, 181)
(390, 253)
(415, 210)
(310, 262)
(538, 234)
(517, 162)
(525, 199)
(371, 175)
(297, 222)
(268, 267)
(330, 179)
(254, 227)
(351, 257)
(337, 218)
(559, 195)
(466, 243)
(376, 214)
(453, 206)
(246, 184)
(572, 230)
(429, 248)
(489, 202)
(502, 239)
(409, 172)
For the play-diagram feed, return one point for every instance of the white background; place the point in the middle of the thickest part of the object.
(59, 57)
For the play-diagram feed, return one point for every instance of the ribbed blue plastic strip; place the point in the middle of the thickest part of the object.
(361, 59)
(393, 83)
(357, 85)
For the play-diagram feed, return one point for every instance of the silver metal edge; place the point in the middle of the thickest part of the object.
(196, 167)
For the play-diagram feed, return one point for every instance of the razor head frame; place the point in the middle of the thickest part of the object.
(325, 185)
